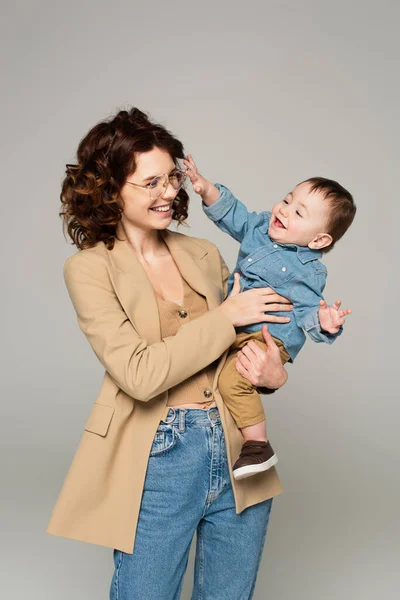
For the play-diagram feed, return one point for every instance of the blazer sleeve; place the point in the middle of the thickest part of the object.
(140, 369)
(225, 275)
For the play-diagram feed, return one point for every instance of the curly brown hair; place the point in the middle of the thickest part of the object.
(90, 195)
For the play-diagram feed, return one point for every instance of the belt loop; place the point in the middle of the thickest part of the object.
(182, 413)
(173, 416)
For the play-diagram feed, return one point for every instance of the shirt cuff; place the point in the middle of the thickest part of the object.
(313, 328)
(218, 210)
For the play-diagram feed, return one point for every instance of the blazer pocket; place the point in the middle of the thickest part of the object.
(99, 419)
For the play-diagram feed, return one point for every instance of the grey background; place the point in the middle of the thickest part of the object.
(264, 94)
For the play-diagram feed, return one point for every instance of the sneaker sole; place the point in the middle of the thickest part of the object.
(249, 470)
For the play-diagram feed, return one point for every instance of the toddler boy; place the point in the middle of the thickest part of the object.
(278, 249)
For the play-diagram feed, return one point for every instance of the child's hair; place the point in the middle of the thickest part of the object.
(91, 204)
(341, 204)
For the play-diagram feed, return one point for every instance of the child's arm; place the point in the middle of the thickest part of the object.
(221, 206)
(330, 317)
(321, 322)
(207, 190)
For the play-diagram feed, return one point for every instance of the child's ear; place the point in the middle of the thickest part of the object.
(321, 240)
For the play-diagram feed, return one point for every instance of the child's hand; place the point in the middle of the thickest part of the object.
(330, 317)
(200, 184)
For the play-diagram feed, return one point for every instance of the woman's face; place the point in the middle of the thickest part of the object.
(140, 209)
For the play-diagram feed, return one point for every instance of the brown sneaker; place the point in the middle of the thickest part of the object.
(255, 457)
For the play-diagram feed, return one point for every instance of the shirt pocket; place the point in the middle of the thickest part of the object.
(277, 269)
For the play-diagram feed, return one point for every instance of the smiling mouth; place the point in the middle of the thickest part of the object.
(163, 209)
(278, 223)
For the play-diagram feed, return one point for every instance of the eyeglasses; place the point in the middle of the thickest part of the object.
(158, 185)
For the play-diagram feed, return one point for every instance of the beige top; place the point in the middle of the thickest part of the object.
(197, 389)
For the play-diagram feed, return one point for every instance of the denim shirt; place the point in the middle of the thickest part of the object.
(292, 271)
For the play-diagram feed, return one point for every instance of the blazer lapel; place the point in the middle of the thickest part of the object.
(135, 291)
(189, 257)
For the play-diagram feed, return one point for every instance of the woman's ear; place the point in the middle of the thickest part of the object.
(321, 240)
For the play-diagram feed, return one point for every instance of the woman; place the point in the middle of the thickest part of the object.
(154, 462)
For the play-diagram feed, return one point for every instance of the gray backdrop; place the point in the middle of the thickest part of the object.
(264, 94)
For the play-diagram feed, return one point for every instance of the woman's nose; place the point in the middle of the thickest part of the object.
(169, 192)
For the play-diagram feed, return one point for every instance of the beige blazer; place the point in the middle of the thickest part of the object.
(117, 311)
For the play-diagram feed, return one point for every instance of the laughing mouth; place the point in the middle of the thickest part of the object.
(278, 223)
(164, 208)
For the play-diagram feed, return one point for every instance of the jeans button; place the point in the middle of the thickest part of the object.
(213, 414)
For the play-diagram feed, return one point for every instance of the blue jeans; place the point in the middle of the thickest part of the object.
(187, 489)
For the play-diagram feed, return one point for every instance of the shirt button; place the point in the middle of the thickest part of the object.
(283, 269)
(208, 393)
(183, 314)
(275, 245)
(249, 260)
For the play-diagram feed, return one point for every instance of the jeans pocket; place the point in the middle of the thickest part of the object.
(164, 440)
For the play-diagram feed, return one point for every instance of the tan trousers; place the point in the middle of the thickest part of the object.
(239, 395)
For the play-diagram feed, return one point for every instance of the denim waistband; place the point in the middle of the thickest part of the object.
(193, 416)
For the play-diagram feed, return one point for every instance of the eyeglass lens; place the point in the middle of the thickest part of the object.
(158, 184)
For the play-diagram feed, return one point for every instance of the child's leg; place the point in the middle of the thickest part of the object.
(244, 403)
(259, 430)
(242, 399)
(256, 432)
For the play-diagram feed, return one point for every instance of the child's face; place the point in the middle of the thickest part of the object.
(300, 218)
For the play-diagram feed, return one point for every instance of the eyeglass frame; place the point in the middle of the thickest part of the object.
(167, 180)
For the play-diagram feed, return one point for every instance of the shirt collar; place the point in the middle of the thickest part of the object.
(304, 253)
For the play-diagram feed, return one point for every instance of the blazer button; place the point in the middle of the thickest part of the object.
(183, 314)
(208, 393)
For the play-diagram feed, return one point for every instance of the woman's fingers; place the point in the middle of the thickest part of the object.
(243, 359)
(250, 350)
(271, 344)
(275, 307)
(243, 371)
(255, 355)
(270, 298)
(274, 319)
(236, 285)
(272, 295)
(251, 366)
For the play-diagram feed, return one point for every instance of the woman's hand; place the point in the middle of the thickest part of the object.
(262, 369)
(250, 307)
